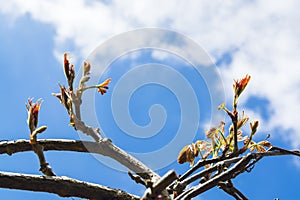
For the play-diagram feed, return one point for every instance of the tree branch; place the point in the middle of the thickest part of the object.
(158, 187)
(45, 168)
(109, 148)
(103, 147)
(62, 186)
(11, 147)
(209, 170)
(274, 151)
(242, 163)
(226, 175)
(200, 164)
(231, 190)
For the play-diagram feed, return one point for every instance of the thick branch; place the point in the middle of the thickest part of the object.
(104, 147)
(62, 186)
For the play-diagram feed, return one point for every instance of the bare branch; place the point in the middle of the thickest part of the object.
(137, 179)
(62, 186)
(284, 151)
(11, 147)
(231, 190)
(243, 163)
(272, 152)
(109, 148)
(160, 186)
(200, 164)
(180, 185)
(104, 147)
(234, 119)
(81, 126)
(45, 168)
(226, 175)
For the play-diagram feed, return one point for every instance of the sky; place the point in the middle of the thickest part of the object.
(171, 64)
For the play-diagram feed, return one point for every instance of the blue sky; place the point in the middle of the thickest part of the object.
(250, 37)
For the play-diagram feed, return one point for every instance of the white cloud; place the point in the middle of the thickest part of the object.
(265, 35)
(160, 55)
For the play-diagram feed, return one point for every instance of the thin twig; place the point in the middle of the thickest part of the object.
(235, 132)
(226, 175)
(231, 190)
(211, 169)
(198, 165)
(137, 179)
(243, 163)
(280, 150)
(202, 163)
(45, 168)
(179, 186)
